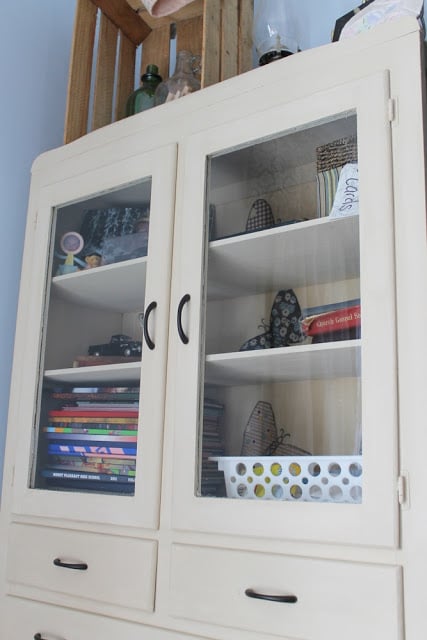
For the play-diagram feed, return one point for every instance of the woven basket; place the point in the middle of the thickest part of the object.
(336, 153)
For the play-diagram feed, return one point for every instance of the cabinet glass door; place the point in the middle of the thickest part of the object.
(88, 419)
(281, 397)
(291, 392)
(102, 343)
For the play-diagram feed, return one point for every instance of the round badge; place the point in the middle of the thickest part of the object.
(72, 242)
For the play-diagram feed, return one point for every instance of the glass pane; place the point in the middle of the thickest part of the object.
(280, 401)
(87, 413)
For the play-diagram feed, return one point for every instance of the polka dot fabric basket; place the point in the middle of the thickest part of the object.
(294, 478)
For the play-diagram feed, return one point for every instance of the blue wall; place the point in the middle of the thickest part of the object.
(35, 38)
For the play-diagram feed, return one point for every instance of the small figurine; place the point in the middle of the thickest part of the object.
(93, 259)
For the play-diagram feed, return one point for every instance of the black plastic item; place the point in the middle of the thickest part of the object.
(182, 302)
(271, 56)
(148, 340)
(264, 596)
(79, 566)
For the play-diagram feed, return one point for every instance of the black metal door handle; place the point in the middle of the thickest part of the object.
(148, 340)
(80, 566)
(182, 302)
(264, 596)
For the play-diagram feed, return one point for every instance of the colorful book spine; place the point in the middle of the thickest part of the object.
(86, 449)
(66, 420)
(86, 437)
(82, 413)
(338, 320)
(86, 467)
(125, 461)
(82, 476)
(91, 431)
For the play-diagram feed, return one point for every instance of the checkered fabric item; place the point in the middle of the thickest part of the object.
(260, 216)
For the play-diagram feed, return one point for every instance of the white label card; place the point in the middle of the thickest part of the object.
(346, 202)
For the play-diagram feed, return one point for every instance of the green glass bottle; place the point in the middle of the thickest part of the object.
(143, 97)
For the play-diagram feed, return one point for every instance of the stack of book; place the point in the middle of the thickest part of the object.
(330, 322)
(90, 439)
(212, 480)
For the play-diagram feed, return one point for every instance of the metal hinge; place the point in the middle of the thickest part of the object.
(403, 489)
(392, 109)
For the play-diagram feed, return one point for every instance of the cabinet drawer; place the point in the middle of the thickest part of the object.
(209, 585)
(23, 619)
(120, 571)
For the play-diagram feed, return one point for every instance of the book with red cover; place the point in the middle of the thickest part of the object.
(333, 321)
(81, 413)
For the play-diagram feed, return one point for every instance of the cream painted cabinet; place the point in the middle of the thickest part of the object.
(245, 457)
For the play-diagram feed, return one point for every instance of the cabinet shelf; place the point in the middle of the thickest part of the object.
(305, 253)
(302, 362)
(98, 374)
(115, 287)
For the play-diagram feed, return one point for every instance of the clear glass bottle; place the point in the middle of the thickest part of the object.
(182, 82)
(143, 97)
(274, 31)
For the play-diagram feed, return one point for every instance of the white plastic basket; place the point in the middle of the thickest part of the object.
(295, 478)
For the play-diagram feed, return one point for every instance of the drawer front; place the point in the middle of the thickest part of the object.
(334, 599)
(24, 619)
(120, 571)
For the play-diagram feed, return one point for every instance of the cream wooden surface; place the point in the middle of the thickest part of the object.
(120, 571)
(333, 598)
(380, 550)
(24, 618)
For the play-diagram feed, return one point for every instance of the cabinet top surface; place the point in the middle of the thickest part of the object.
(160, 122)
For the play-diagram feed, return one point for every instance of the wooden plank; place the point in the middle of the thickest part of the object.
(76, 114)
(156, 50)
(211, 46)
(121, 14)
(246, 15)
(105, 70)
(125, 75)
(189, 34)
(229, 38)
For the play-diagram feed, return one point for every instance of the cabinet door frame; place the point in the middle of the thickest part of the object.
(375, 520)
(141, 509)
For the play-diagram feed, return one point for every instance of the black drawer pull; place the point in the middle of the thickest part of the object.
(263, 596)
(38, 636)
(80, 566)
(182, 302)
(148, 340)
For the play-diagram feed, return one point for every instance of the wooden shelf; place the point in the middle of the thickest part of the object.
(114, 287)
(99, 374)
(306, 253)
(301, 362)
